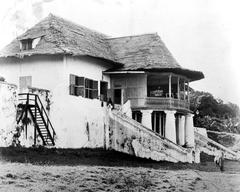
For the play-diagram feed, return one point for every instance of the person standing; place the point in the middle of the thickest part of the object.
(221, 162)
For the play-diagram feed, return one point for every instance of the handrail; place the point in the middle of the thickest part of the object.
(42, 111)
(42, 108)
(216, 144)
(164, 102)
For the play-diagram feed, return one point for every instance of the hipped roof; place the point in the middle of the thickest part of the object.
(141, 52)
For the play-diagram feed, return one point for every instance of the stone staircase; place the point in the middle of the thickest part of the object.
(128, 136)
(213, 148)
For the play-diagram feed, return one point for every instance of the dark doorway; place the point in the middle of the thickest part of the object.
(158, 122)
(137, 116)
(103, 90)
(118, 96)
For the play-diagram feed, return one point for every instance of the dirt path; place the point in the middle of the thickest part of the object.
(27, 177)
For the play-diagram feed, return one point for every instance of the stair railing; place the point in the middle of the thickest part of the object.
(34, 99)
(43, 112)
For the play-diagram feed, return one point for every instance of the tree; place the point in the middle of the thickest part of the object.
(213, 113)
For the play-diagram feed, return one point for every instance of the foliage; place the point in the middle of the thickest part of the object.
(16, 135)
(213, 113)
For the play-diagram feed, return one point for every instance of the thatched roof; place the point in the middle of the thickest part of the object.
(58, 36)
(148, 53)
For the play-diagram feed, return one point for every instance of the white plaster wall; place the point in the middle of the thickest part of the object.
(70, 115)
(201, 130)
(129, 136)
(7, 113)
(46, 71)
(81, 120)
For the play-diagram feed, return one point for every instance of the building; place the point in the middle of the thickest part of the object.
(66, 73)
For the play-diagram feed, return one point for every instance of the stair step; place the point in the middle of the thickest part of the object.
(39, 118)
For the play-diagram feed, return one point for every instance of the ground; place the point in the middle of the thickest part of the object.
(121, 174)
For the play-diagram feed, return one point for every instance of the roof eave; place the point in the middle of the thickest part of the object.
(190, 74)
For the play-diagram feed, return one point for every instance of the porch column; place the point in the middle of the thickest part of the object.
(181, 135)
(178, 88)
(147, 118)
(188, 92)
(170, 85)
(189, 130)
(184, 90)
(170, 129)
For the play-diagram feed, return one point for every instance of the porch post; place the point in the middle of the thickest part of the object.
(181, 136)
(184, 90)
(188, 91)
(189, 130)
(178, 88)
(170, 85)
(170, 129)
(147, 118)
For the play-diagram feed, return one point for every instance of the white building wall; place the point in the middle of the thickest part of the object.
(82, 122)
(78, 122)
(7, 113)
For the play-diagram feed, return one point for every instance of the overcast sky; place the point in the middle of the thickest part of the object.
(201, 34)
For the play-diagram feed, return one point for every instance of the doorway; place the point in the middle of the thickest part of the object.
(118, 96)
(158, 122)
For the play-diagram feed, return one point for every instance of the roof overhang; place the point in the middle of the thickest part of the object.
(190, 74)
(122, 72)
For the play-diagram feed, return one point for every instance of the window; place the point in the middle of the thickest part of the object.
(137, 116)
(24, 82)
(81, 86)
(91, 89)
(26, 44)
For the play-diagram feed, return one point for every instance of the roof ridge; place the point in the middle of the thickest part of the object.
(132, 36)
(74, 23)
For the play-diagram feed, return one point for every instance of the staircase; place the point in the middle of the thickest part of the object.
(211, 147)
(126, 133)
(31, 104)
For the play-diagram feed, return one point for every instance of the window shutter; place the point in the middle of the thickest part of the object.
(95, 89)
(80, 81)
(80, 91)
(95, 84)
(72, 79)
(95, 94)
(72, 90)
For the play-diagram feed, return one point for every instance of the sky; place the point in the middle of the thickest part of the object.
(202, 35)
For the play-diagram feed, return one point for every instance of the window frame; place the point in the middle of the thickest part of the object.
(82, 86)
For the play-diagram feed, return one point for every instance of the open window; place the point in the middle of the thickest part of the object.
(85, 87)
(26, 44)
(137, 116)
